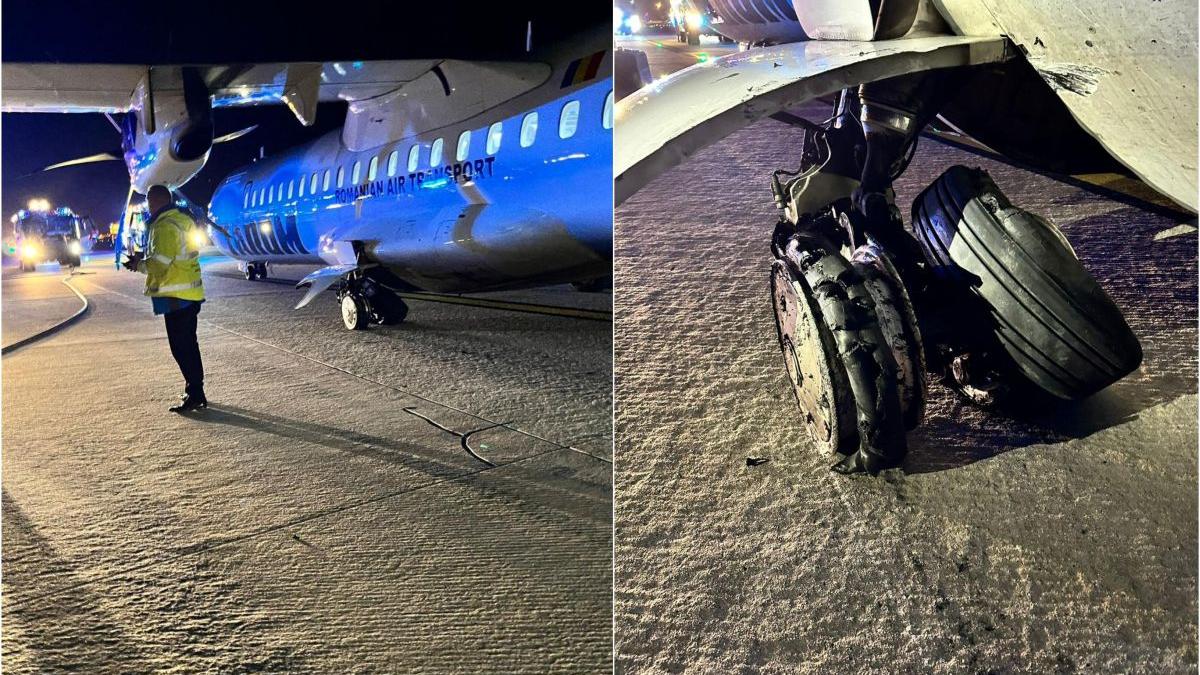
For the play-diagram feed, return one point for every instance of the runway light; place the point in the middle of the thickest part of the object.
(702, 57)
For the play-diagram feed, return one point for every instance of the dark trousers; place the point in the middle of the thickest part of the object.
(181, 334)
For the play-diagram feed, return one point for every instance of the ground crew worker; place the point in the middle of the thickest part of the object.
(172, 268)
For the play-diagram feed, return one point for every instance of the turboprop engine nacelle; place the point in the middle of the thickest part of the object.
(168, 132)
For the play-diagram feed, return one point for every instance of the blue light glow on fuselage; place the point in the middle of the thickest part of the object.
(514, 196)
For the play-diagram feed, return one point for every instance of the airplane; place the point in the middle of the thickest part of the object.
(448, 175)
(969, 287)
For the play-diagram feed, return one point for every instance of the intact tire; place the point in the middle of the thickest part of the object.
(251, 272)
(1049, 314)
(354, 312)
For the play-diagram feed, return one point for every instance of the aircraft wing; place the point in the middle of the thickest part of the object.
(58, 87)
(661, 125)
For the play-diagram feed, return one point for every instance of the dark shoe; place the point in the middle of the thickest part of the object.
(190, 403)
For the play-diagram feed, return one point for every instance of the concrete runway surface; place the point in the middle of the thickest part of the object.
(1062, 541)
(308, 521)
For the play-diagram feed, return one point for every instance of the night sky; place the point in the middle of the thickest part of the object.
(227, 32)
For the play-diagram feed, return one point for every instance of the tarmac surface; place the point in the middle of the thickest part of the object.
(324, 514)
(1055, 540)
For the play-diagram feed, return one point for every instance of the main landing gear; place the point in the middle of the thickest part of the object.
(977, 292)
(364, 301)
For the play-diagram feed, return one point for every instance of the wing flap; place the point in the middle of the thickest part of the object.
(659, 126)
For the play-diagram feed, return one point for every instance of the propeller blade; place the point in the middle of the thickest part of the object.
(100, 157)
(235, 135)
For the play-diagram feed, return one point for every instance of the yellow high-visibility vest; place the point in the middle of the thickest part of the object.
(172, 264)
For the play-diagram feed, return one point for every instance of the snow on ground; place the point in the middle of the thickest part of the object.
(1064, 541)
(306, 522)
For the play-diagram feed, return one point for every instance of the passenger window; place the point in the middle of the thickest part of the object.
(464, 146)
(291, 188)
(393, 160)
(529, 129)
(414, 157)
(568, 119)
(312, 184)
(372, 168)
(435, 153)
(341, 178)
(325, 182)
(356, 173)
(606, 117)
(493, 138)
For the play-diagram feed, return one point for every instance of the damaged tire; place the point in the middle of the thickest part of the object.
(842, 370)
(1052, 318)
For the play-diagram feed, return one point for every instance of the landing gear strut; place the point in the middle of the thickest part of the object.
(364, 301)
(985, 295)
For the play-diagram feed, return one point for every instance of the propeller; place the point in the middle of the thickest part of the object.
(117, 154)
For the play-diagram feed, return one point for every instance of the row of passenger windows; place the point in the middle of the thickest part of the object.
(568, 123)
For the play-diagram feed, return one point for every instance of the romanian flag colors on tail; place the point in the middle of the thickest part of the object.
(582, 70)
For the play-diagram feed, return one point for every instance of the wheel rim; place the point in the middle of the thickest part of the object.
(804, 358)
(349, 312)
